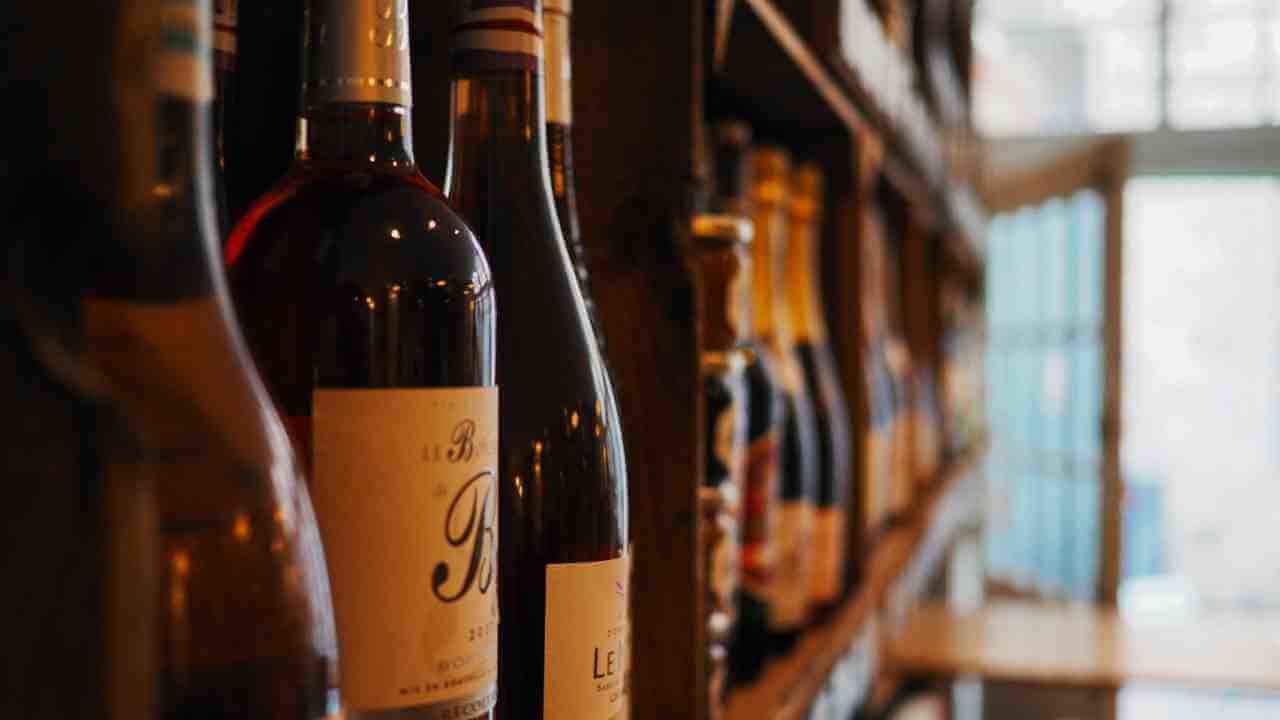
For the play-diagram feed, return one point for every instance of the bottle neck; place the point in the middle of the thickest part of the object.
(559, 109)
(497, 143)
(804, 282)
(770, 318)
(349, 134)
(356, 86)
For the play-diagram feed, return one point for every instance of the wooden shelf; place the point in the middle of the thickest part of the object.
(1088, 647)
(769, 72)
(906, 556)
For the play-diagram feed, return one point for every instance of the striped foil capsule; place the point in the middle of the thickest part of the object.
(498, 35)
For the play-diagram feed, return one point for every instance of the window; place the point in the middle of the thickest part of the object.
(1051, 67)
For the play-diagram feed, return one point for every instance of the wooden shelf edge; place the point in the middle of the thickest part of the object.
(791, 683)
(937, 198)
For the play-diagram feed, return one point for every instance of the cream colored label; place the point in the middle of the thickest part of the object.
(405, 492)
(828, 554)
(559, 69)
(586, 640)
(790, 598)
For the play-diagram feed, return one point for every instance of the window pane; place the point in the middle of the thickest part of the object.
(1050, 80)
(1067, 12)
(1224, 48)
(1202, 404)
(1184, 9)
(1220, 104)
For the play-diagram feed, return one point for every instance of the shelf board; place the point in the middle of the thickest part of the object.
(1088, 646)
(789, 684)
(764, 65)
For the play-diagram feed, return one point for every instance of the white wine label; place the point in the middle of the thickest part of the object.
(586, 640)
(790, 597)
(559, 69)
(828, 553)
(405, 490)
(183, 67)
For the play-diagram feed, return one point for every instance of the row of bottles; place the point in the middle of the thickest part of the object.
(784, 503)
(351, 449)
(321, 443)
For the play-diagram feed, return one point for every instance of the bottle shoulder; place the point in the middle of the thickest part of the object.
(384, 220)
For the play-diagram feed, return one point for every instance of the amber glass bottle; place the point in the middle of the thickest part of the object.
(766, 428)
(564, 556)
(809, 324)
(369, 308)
(789, 601)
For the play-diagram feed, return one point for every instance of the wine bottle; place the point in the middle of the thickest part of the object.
(720, 259)
(804, 291)
(789, 606)
(559, 107)
(564, 560)
(878, 442)
(920, 313)
(370, 309)
(214, 591)
(898, 361)
(766, 426)
(225, 23)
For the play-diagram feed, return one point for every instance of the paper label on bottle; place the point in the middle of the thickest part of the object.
(828, 554)
(789, 606)
(406, 497)
(586, 640)
(759, 516)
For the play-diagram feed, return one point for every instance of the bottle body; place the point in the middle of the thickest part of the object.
(831, 413)
(789, 604)
(721, 262)
(766, 428)
(564, 560)
(215, 583)
(370, 310)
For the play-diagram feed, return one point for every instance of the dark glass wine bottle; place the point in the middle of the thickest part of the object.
(898, 362)
(766, 426)
(564, 557)
(225, 49)
(369, 308)
(878, 442)
(804, 292)
(214, 584)
(789, 606)
(720, 257)
(559, 107)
